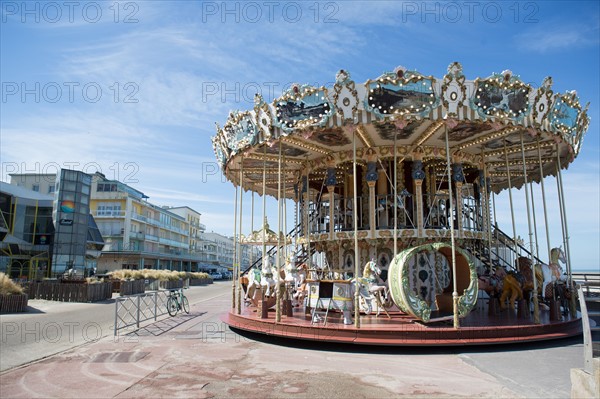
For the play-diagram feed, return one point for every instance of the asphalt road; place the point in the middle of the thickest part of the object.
(51, 327)
(197, 355)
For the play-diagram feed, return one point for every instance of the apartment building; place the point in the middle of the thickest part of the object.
(218, 250)
(195, 227)
(138, 234)
(43, 183)
(44, 235)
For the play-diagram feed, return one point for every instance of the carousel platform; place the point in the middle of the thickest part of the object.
(477, 328)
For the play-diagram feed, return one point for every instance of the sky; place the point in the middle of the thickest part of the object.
(133, 88)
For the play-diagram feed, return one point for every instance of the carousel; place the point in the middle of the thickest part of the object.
(393, 186)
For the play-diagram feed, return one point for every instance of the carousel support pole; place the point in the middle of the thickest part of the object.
(288, 300)
(234, 246)
(536, 306)
(543, 196)
(487, 218)
(307, 219)
(454, 288)
(263, 303)
(495, 224)
(535, 233)
(284, 210)
(240, 249)
(355, 217)
(512, 209)
(251, 231)
(395, 197)
(278, 260)
(563, 219)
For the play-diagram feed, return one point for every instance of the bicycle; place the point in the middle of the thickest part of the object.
(176, 302)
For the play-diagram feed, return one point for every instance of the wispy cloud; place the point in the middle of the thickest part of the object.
(545, 39)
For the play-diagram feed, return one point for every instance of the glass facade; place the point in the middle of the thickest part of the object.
(70, 215)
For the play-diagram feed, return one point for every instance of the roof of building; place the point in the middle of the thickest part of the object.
(22, 192)
(181, 207)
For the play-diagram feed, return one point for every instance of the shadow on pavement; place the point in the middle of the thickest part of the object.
(398, 350)
(161, 327)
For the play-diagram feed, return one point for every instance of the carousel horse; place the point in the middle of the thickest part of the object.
(553, 272)
(514, 287)
(300, 293)
(253, 283)
(291, 273)
(370, 287)
(517, 285)
(492, 283)
(268, 277)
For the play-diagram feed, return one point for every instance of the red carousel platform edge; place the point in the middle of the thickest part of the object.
(477, 328)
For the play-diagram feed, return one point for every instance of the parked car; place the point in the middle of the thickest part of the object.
(216, 276)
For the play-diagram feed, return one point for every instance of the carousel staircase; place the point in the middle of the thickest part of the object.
(301, 254)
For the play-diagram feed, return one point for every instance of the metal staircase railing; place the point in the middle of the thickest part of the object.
(481, 251)
(301, 255)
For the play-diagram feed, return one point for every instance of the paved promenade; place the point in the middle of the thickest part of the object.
(196, 355)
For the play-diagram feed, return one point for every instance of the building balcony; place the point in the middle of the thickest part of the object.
(138, 217)
(173, 243)
(108, 214)
(137, 236)
(151, 237)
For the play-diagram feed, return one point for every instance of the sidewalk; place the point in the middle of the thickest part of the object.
(197, 355)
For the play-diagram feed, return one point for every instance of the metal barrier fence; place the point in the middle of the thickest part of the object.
(131, 310)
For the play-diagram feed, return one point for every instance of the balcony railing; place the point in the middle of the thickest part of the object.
(137, 235)
(108, 214)
(158, 223)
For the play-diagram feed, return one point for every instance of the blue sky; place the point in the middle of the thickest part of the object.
(133, 89)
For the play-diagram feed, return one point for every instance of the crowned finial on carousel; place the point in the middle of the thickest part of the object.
(400, 71)
(342, 76)
(258, 99)
(455, 69)
(547, 83)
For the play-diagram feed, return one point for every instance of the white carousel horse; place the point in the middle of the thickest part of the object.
(269, 277)
(291, 272)
(300, 293)
(253, 283)
(553, 272)
(369, 286)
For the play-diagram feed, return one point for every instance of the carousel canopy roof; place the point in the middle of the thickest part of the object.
(491, 121)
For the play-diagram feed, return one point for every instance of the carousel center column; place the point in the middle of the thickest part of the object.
(418, 175)
(331, 183)
(458, 178)
(371, 179)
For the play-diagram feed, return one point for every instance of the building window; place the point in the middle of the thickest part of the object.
(36, 187)
(51, 189)
(109, 210)
(106, 187)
